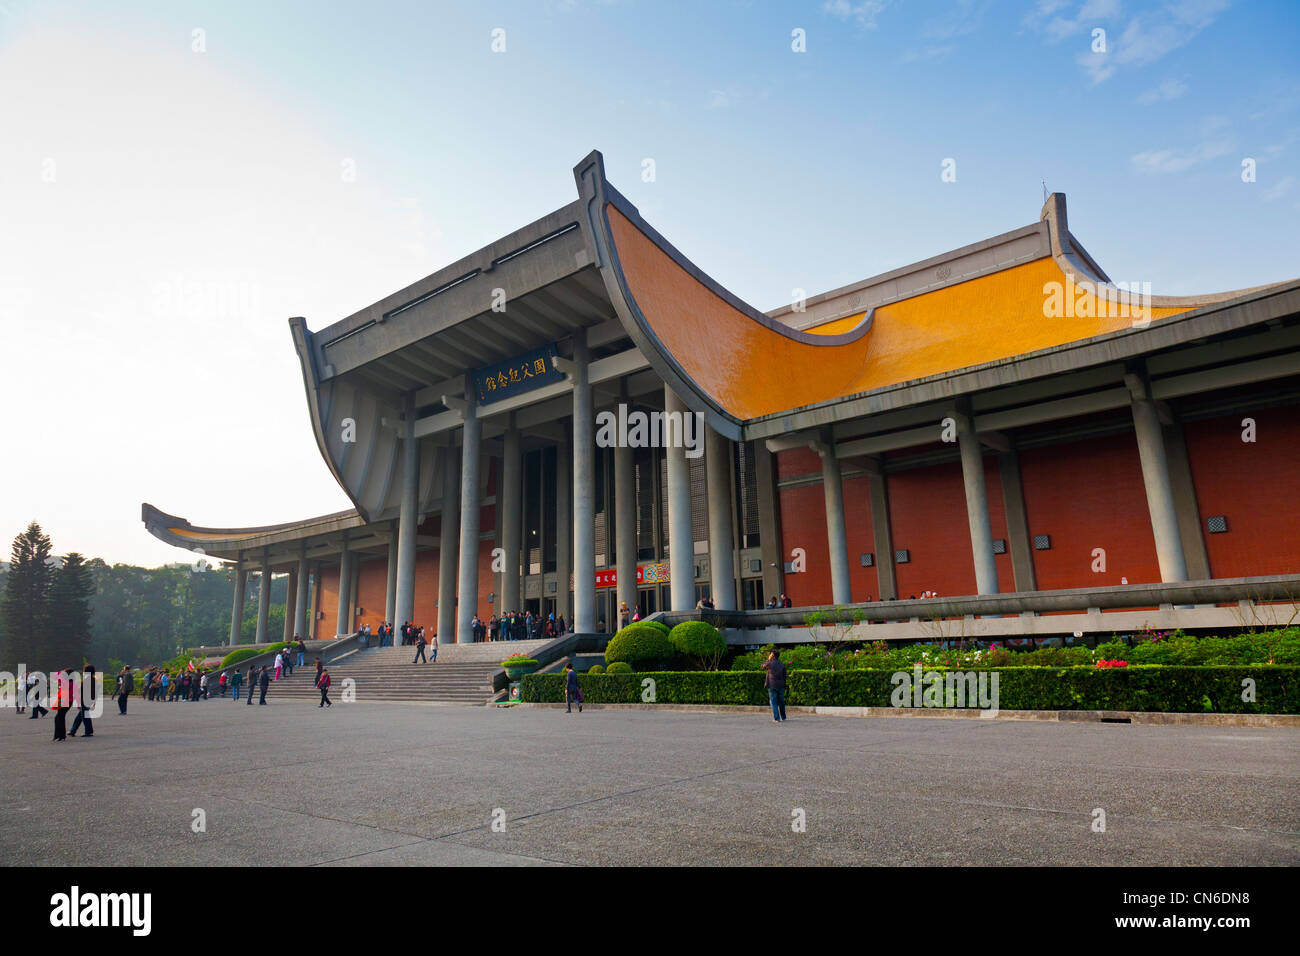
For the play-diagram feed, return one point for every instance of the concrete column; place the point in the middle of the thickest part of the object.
(1018, 544)
(882, 533)
(512, 506)
(447, 544)
(722, 565)
(584, 490)
(341, 622)
(263, 602)
(1155, 475)
(472, 443)
(681, 537)
(1190, 527)
(237, 611)
(300, 602)
(836, 533)
(624, 528)
(408, 518)
(390, 591)
(564, 524)
(769, 521)
(290, 602)
(977, 506)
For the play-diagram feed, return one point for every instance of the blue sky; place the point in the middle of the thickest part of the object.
(171, 198)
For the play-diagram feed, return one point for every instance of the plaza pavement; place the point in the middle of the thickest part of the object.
(396, 784)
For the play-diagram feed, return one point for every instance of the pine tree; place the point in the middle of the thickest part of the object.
(27, 600)
(70, 612)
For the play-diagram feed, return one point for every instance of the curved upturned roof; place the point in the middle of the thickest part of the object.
(596, 263)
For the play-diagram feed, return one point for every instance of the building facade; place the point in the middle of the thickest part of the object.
(1002, 417)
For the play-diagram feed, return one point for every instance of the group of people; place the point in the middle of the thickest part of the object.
(521, 626)
(65, 694)
(773, 603)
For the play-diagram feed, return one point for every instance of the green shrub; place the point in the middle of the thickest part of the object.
(1137, 688)
(596, 669)
(618, 667)
(519, 662)
(699, 641)
(639, 643)
(657, 625)
(235, 657)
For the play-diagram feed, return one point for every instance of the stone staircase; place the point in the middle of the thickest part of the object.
(463, 674)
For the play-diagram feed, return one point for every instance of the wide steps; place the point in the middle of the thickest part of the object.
(388, 674)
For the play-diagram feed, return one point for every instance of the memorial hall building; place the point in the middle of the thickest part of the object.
(999, 418)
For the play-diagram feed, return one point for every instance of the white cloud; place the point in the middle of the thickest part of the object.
(1178, 160)
(1170, 89)
(1281, 188)
(865, 13)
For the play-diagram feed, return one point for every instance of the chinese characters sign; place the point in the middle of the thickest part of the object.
(645, 574)
(523, 373)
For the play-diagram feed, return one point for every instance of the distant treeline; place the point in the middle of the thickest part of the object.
(54, 615)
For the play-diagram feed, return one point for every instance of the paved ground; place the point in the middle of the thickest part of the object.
(386, 784)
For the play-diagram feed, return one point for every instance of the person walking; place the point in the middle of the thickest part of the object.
(419, 649)
(572, 692)
(433, 647)
(252, 683)
(34, 697)
(775, 681)
(84, 709)
(125, 684)
(265, 681)
(323, 682)
(279, 665)
(302, 646)
(236, 682)
(162, 686)
(62, 703)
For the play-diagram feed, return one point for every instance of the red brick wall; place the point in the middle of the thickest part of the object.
(329, 603)
(857, 526)
(1089, 494)
(372, 590)
(927, 511)
(1254, 486)
(803, 525)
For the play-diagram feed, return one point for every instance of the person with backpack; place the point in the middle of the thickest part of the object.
(265, 681)
(323, 682)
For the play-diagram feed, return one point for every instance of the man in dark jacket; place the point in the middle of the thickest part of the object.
(775, 681)
(87, 704)
(264, 681)
(125, 684)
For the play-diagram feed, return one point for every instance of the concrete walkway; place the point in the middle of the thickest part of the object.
(390, 784)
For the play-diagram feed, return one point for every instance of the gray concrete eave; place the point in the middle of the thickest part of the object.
(227, 543)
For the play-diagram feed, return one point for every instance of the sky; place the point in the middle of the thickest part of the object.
(179, 178)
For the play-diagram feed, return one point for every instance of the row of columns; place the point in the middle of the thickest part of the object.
(1153, 443)
(295, 601)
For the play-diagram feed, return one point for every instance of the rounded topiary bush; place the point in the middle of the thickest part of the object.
(234, 657)
(619, 667)
(700, 641)
(596, 669)
(657, 625)
(638, 643)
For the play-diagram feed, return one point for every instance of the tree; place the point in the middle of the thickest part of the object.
(27, 600)
(70, 612)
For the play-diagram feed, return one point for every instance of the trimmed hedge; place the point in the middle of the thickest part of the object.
(235, 657)
(700, 641)
(639, 643)
(596, 669)
(1137, 688)
(657, 625)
